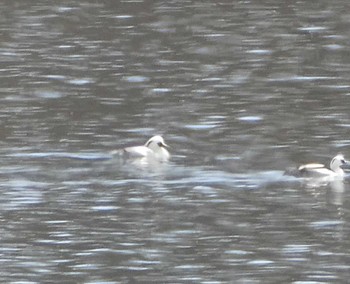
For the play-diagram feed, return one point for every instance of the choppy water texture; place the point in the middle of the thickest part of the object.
(239, 89)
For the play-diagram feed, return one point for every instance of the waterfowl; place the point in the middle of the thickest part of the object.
(315, 170)
(153, 150)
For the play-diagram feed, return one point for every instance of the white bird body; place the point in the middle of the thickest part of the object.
(153, 151)
(315, 170)
(138, 151)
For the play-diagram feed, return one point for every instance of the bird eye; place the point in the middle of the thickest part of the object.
(160, 144)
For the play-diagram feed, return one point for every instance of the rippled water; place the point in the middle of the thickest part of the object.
(239, 89)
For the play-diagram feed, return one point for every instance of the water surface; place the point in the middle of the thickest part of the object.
(240, 90)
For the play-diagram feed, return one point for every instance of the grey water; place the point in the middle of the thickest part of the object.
(240, 90)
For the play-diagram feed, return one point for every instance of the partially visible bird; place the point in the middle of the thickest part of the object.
(153, 150)
(315, 170)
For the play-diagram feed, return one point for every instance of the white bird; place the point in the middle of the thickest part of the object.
(153, 151)
(315, 170)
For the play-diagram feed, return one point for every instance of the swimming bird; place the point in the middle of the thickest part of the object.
(315, 170)
(154, 150)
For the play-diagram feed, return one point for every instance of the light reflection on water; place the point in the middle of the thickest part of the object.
(239, 90)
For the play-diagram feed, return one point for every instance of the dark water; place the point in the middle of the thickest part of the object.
(239, 89)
